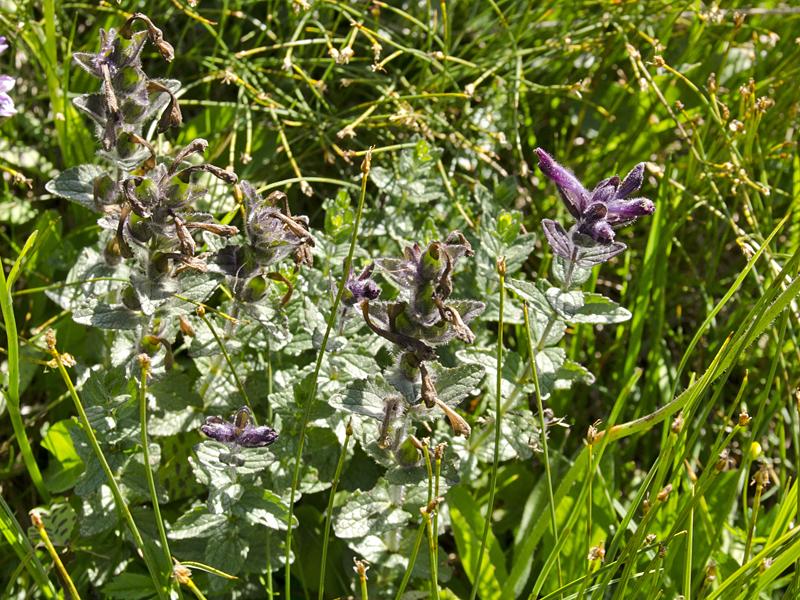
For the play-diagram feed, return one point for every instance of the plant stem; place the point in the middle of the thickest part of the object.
(542, 435)
(759, 479)
(144, 363)
(411, 561)
(365, 168)
(98, 452)
(501, 272)
(202, 314)
(39, 524)
(427, 519)
(12, 394)
(329, 511)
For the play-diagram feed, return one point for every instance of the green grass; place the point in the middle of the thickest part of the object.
(705, 97)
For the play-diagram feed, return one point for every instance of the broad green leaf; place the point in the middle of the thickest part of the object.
(585, 307)
(453, 386)
(76, 184)
(371, 512)
(66, 467)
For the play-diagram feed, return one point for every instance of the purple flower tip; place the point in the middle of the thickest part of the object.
(3, 44)
(240, 431)
(361, 287)
(606, 208)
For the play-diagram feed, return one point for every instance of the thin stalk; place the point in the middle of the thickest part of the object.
(687, 572)
(542, 435)
(329, 511)
(761, 479)
(12, 394)
(365, 168)
(426, 515)
(144, 363)
(411, 561)
(589, 506)
(16, 538)
(152, 568)
(202, 314)
(501, 272)
(437, 455)
(361, 568)
(39, 524)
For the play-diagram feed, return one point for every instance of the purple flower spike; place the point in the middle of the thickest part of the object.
(598, 213)
(361, 287)
(239, 432)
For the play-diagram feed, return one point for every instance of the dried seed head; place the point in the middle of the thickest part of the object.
(711, 571)
(361, 567)
(36, 519)
(664, 493)
(592, 435)
(182, 574)
(50, 339)
(761, 478)
(596, 553)
(186, 327)
(677, 423)
(650, 539)
(427, 389)
(744, 418)
(144, 362)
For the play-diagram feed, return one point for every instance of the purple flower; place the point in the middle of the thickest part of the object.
(6, 85)
(605, 208)
(360, 288)
(239, 432)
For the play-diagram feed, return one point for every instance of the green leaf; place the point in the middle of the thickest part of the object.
(365, 397)
(369, 513)
(66, 467)
(454, 385)
(105, 316)
(76, 184)
(196, 523)
(130, 586)
(263, 508)
(584, 307)
(219, 457)
(468, 527)
(59, 520)
(560, 270)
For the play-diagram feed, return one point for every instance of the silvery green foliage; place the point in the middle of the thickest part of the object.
(160, 255)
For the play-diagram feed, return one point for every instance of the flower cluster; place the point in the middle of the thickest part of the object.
(239, 432)
(272, 234)
(597, 213)
(6, 85)
(128, 99)
(155, 210)
(422, 317)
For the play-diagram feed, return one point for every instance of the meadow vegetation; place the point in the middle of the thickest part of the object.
(447, 299)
